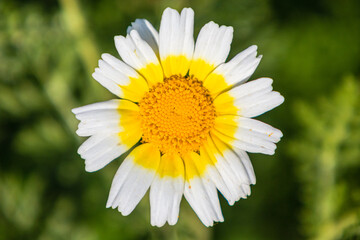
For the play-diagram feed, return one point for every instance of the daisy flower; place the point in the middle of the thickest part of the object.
(184, 113)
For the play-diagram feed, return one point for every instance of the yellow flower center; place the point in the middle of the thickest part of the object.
(177, 114)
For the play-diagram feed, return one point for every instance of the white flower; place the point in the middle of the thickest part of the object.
(189, 111)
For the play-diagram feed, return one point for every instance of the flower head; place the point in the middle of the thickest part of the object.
(189, 113)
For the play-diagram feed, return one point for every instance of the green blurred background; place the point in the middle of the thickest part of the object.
(310, 189)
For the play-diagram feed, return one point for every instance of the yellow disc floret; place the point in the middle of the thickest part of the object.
(177, 114)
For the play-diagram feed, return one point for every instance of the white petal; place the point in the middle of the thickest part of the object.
(88, 128)
(107, 82)
(252, 108)
(167, 190)
(120, 67)
(132, 180)
(99, 115)
(135, 51)
(256, 87)
(251, 135)
(260, 129)
(97, 162)
(113, 73)
(212, 46)
(99, 150)
(165, 198)
(124, 79)
(202, 196)
(256, 97)
(236, 71)
(98, 118)
(259, 134)
(221, 183)
(201, 192)
(227, 174)
(176, 42)
(102, 117)
(245, 160)
(176, 33)
(103, 122)
(112, 104)
(238, 162)
(239, 169)
(219, 179)
(257, 146)
(133, 190)
(251, 99)
(213, 43)
(147, 32)
(241, 67)
(138, 54)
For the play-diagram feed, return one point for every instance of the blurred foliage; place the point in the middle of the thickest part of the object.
(328, 156)
(308, 190)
